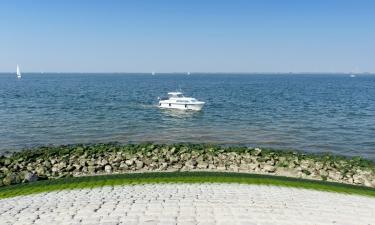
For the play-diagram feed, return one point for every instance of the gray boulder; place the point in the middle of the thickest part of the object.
(108, 169)
(40, 171)
(358, 179)
(129, 162)
(138, 165)
(10, 179)
(202, 165)
(29, 177)
(123, 166)
(269, 168)
(191, 164)
(89, 169)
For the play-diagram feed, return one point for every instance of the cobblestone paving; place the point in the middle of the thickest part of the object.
(185, 204)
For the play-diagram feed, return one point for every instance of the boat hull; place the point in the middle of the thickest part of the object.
(194, 107)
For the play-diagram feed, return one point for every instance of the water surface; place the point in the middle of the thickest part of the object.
(314, 113)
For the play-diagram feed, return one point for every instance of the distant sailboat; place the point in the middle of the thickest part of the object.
(352, 75)
(18, 72)
(153, 73)
(188, 73)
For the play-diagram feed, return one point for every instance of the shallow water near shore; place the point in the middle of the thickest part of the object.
(313, 113)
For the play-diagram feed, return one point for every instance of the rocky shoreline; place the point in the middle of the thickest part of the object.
(82, 160)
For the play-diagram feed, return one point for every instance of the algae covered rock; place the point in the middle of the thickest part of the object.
(11, 178)
(62, 161)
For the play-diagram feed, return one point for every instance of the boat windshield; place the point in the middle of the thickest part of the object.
(176, 95)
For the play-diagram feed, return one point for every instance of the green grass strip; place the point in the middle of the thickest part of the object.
(178, 177)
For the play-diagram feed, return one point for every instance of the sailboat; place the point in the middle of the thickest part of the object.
(153, 73)
(18, 72)
(188, 73)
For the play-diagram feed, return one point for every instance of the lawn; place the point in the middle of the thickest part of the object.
(178, 177)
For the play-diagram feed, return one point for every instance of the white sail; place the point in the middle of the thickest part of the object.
(18, 72)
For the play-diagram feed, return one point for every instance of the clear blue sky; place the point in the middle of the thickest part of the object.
(191, 35)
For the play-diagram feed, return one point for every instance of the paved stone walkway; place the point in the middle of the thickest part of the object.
(185, 204)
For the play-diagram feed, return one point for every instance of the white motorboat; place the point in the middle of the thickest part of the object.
(176, 100)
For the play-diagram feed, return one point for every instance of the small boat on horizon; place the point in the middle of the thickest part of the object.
(176, 100)
(352, 75)
(18, 72)
(153, 73)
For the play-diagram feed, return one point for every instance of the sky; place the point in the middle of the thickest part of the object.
(194, 35)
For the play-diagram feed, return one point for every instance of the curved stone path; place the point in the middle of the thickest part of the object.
(185, 204)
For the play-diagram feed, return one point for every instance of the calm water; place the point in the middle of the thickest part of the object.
(316, 113)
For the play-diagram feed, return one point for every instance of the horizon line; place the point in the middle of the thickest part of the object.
(185, 72)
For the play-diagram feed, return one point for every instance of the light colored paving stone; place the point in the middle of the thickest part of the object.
(209, 204)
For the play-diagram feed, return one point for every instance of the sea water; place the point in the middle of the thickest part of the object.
(312, 113)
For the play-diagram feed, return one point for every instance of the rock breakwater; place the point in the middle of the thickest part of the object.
(80, 160)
